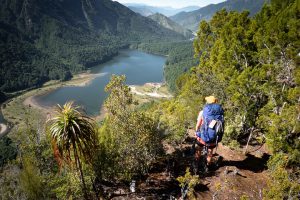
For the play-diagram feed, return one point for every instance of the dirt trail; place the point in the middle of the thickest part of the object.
(237, 176)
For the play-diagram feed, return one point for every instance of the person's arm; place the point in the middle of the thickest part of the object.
(199, 120)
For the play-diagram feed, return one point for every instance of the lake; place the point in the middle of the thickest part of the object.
(139, 68)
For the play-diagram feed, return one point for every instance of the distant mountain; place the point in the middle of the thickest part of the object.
(191, 19)
(188, 9)
(169, 24)
(51, 39)
(146, 10)
(98, 16)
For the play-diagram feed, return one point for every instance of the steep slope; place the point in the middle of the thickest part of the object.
(146, 10)
(169, 24)
(101, 16)
(237, 176)
(190, 20)
(50, 39)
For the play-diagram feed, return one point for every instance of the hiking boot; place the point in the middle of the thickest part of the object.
(219, 161)
(195, 167)
(202, 166)
(215, 163)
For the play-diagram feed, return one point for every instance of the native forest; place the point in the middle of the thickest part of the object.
(244, 52)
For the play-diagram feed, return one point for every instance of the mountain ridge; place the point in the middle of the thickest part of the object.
(190, 20)
(147, 10)
(57, 38)
(169, 24)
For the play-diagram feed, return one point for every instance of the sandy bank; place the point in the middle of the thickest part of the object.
(25, 107)
(3, 129)
(32, 102)
(153, 87)
(80, 80)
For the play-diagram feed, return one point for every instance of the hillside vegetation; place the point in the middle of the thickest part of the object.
(180, 58)
(51, 40)
(190, 20)
(250, 64)
(169, 24)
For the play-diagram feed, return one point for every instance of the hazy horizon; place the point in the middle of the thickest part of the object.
(172, 3)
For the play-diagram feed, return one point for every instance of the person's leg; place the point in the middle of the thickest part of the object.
(198, 151)
(209, 155)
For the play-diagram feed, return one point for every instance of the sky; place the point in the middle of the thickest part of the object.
(173, 3)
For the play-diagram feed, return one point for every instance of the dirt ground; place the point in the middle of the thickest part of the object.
(238, 176)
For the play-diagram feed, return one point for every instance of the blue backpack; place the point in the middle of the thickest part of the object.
(212, 129)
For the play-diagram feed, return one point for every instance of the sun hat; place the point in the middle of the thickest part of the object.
(211, 99)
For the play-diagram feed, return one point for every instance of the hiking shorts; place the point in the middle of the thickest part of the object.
(201, 143)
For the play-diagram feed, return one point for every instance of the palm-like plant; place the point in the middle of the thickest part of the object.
(73, 136)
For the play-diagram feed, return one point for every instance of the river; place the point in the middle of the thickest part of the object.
(139, 68)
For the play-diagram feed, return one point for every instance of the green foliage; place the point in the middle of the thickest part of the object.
(129, 138)
(244, 197)
(106, 162)
(180, 59)
(10, 183)
(74, 137)
(191, 20)
(73, 131)
(42, 41)
(172, 117)
(31, 180)
(251, 65)
(169, 24)
(8, 150)
(190, 180)
(284, 182)
(233, 144)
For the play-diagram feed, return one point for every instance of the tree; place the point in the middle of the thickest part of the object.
(74, 137)
(134, 134)
(31, 181)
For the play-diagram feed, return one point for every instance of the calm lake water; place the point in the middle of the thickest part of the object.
(139, 68)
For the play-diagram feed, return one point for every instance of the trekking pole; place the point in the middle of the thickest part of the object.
(217, 143)
(251, 132)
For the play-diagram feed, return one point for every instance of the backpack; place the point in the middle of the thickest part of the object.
(212, 129)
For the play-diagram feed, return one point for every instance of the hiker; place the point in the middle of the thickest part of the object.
(209, 128)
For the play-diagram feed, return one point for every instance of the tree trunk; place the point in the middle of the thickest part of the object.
(78, 164)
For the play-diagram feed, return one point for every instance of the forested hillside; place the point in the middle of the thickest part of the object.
(180, 58)
(250, 64)
(190, 20)
(48, 40)
(169, 24)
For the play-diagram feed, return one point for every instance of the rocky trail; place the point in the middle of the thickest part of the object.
(238, 176)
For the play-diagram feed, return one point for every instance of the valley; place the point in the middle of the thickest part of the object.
(101, 99)
(87, 89)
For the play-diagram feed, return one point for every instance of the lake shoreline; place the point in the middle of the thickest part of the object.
(27, 99)
(28, 107)
(80, 80)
